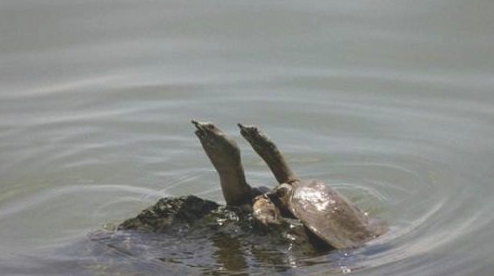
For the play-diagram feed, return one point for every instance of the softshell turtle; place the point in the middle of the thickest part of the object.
(325, 213)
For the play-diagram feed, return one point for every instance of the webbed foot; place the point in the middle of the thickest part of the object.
(269, 152)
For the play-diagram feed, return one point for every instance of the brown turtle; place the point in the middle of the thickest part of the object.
(325, 213)
(308, 210)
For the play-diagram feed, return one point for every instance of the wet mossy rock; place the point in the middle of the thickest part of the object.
(167, 212)
(191, 215)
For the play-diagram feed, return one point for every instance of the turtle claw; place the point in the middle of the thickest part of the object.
(204, 126)
(248, 129)
(245, 127)
(206, 129)
(252, 133)
(258, 140)
(200, 131)
(196, 123)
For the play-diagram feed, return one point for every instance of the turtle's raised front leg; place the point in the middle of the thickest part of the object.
(269, 153)
(225, 156)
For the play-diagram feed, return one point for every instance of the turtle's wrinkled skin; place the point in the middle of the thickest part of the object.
(306, 213)
(224, 154)
(325, 213)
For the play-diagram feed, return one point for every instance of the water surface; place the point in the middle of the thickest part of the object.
(389, 102)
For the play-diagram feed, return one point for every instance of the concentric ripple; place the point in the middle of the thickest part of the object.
(389, 103)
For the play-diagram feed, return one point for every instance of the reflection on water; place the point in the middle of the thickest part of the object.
(390, 103)
(202, 252)
(229, 253)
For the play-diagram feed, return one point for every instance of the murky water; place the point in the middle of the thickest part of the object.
(390, 102)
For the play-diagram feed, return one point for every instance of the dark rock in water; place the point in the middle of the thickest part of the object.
(168, 212)
(193, 216)
(193, 236)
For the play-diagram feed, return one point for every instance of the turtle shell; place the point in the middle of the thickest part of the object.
(329, 215)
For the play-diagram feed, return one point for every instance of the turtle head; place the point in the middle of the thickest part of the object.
(283, 192)
(281, 197)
